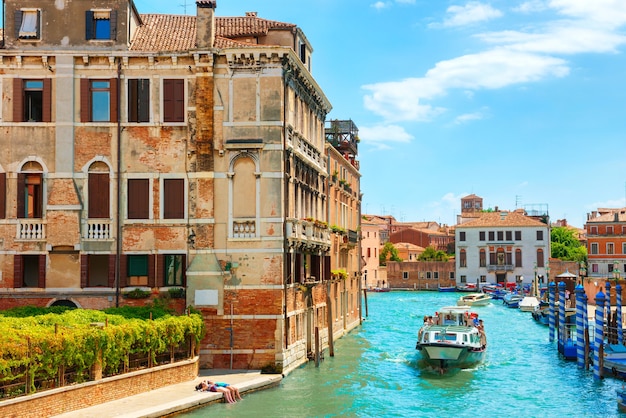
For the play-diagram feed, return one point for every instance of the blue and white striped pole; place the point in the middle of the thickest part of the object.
(598, 340)
(562, 314)
(579, 291)
(551, 293)
(618, 306)
(607, 314)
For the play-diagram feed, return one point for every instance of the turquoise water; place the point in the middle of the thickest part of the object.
(375, 373)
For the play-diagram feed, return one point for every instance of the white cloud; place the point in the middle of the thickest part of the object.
(467, 117)
(606, 12)
(497, 68)
(472, 12)
(379, 5)
(531, 6)
(562, 38)
(382, 135)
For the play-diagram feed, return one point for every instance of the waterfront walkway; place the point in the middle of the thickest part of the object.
(179, 397)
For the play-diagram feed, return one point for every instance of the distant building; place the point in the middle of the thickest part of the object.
(501, 247)
(606, 243)
(372, 227)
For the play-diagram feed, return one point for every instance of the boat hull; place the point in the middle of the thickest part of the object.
(447, 356)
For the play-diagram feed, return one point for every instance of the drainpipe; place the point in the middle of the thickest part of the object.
(118, 249)
(286, 176)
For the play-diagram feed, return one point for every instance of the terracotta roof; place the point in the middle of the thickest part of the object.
(249, 25)
(501, 219)
(608, 215)
(164, 33)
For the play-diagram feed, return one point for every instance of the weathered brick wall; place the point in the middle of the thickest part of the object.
(71, 398)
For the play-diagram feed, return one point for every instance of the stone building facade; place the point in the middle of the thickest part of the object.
(166, 153)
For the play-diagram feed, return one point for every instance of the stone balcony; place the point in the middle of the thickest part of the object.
(31, 229)
(308, 235)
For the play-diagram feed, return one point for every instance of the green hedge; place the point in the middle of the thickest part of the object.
(43, 343)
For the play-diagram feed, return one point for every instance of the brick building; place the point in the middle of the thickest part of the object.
(169, 152)
(606, 243)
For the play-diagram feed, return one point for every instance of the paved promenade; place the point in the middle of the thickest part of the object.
(179, 397)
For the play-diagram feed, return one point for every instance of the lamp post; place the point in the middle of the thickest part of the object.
(535, 289)
(582, 271)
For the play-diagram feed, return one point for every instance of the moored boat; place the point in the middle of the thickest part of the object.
(512, 300)
(468, 287)
(528, 304)
(447, 288)
(452, 340)
(474, 299)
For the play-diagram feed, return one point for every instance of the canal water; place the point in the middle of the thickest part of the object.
(375, 373)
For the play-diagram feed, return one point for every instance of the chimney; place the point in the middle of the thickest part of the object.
(205, 23)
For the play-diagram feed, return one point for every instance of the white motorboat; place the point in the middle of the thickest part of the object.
(528, 304)
(474, 299)
(452, 340)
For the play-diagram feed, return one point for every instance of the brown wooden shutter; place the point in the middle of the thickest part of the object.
(3, 195)
(123, 270)
(98, 199)
(89, 25)
(113, 24)
(42, 271)
(160, 270)
(133, 100)
(38, 204)
(289, 272)
(173, 100)
(327, 267)
(184, 270)
(151, 270)
(85, 100)
(297, 274)
(316, 267)
(113, 103)
(18, 271)
(84, 270)
(47, 100)
(138, 198)
(18, 22)
(21, 185)
(18, 99)
(174, 199)
(112, 265)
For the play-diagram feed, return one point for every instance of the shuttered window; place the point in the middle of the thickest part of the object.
(28, 24)
(138, 199)
(98, 201)
(171, 270)
(173, 100)
(32, 100)
(173, 199)
(3, 195)
(101, 25)
(98, 100)
(139, 100)
(29, 195)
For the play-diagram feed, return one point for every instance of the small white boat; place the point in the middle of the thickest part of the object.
(528, 304)
(474, 299)
(452, 340)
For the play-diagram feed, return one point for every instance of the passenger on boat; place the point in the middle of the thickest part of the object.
(429, 320)
(481, 330)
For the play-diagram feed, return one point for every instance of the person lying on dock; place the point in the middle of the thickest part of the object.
(204, 386)
(234, 391)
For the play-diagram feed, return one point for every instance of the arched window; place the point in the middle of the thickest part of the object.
(98, 202)
(244, 189)
(30, 191)
(540, 258)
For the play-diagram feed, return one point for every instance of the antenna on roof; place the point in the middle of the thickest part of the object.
(184, 6)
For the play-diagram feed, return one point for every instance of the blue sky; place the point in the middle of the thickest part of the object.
(519, 102)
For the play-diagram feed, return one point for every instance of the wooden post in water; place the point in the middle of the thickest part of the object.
(317, 347)
(329, 319)
(365, 296)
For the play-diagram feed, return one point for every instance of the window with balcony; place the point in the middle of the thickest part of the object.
(100, 24)
(98, 201)
(98, 100)
(138, 198)
(28, 24)
(29, 195)
(593, 230)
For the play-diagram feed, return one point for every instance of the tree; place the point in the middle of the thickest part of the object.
(388, 253)
(565, 245)
(430, 254)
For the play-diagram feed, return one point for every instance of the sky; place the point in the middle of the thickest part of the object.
(519, 102)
